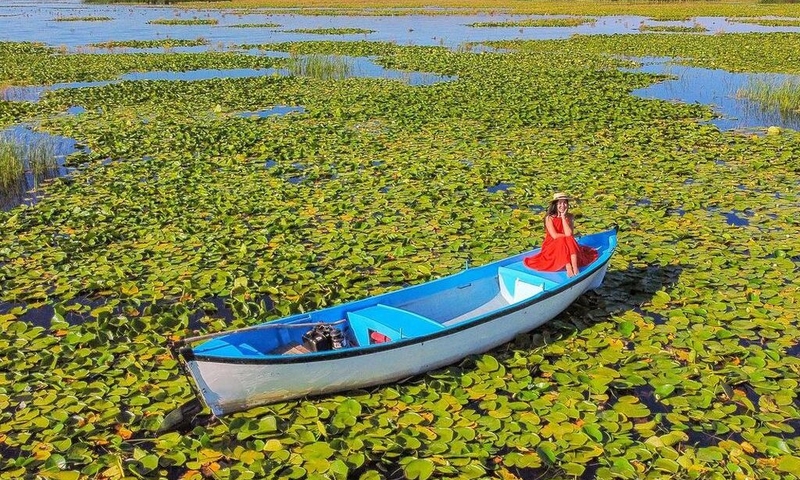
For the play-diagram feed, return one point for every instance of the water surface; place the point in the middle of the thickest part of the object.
(718, 89)
(28, 20)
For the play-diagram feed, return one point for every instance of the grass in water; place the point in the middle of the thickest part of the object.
(178, 21)
(696, 28)
(41, 160)
(538, 22)
(12, 169)
(17, 159)
(164, 43)
(82, 19)
(331, 31)
(255, 25)
(772, 22)
(784, 96)
(322, 67)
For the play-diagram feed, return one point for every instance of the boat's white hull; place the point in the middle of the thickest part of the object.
(229, 386)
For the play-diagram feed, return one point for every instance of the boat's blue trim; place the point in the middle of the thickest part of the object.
(609, 237)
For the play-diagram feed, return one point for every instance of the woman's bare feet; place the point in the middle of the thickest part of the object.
(572, 266)
(570, 271)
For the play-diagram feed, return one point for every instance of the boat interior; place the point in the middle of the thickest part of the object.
(407, 313)
(390, 317)
(397, 318)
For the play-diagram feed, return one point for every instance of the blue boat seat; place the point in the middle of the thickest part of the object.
(394, 323)
(552, 279)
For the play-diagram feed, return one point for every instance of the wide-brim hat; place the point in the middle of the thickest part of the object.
(560, 196)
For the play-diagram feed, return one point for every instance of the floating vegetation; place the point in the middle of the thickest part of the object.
(164, 43)
(183, 21)
(25, 64)
(331, 31)
(684, 364)
(255, 25)
(760, 52)
(82, 19)
(696, 28)
(322, 67)
(785, 96)
(538, 22)
(771, 22)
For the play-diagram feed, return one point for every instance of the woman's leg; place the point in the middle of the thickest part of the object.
(573, 259)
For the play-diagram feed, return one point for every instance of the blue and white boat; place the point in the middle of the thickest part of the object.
(385, 338)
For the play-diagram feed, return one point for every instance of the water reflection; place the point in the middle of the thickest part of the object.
(500, 187)
(43, 157)
(717, 88)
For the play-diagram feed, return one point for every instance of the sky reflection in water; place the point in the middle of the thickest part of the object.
(34, 21)
(718, 89)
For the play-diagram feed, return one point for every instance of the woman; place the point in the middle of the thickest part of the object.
(559, 249)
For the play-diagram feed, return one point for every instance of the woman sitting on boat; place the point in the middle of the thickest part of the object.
(559, 249)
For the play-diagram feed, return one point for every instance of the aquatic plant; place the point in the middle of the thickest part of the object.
(82, 19)
(696, 28)
(18, 158)
(783, 96)
(771, 22)
(183, 21)
(683, 364)
(12, 169)
(330, 31)
(255, 25)
(163, 43)
(538, 22)
(41, 161)
(760, 52)
(323, 67)
(25, 64)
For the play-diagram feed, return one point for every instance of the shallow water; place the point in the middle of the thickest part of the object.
(271, 112)
(61, 147)
(717, 88)
(27, 20)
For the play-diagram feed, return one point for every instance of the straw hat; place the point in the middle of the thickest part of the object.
(561, 196)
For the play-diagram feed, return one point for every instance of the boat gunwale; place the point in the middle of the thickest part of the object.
(188, 354)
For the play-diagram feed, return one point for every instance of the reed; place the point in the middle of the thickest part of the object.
(82, 19)
(17, 159)
(179, 21)
(41, 161)
(322, 67)
(784, 96)
(12, 168)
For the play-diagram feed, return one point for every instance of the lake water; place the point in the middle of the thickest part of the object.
(719, 89)
(35, 21)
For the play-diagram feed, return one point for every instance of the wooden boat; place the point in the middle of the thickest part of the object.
(387, 337)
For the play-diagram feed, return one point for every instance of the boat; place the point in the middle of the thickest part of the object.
(385, 338)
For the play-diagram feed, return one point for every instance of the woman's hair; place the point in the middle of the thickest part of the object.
(552, 209)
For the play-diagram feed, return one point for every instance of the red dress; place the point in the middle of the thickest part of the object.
(555, 252)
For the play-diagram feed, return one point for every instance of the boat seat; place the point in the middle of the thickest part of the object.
(394, 323)
(551, 279)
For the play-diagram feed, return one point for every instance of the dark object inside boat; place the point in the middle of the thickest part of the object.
(324, 337)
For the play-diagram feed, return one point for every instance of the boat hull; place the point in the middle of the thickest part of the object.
(233, 384)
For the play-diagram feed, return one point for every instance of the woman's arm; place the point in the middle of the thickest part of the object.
(551, 230)
(567, 220)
